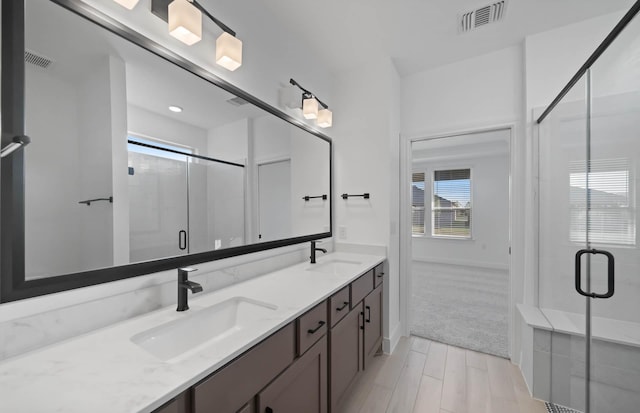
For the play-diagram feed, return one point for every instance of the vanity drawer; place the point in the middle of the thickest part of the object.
(229, 389)
(361, 287)
(311, 326)
(339, 305)
(378, 274)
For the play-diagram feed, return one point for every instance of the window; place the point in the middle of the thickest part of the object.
(159, 149)
(610, 202)
(417, 203)
(451, 203)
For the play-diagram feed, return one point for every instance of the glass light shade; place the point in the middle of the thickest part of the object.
(128, 4)
(310, 108)
(229, 51)
(325, 118)
(185, 22)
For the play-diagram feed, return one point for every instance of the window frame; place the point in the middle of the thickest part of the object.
(471, 201)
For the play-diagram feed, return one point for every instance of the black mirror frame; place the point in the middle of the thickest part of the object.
(13, 285)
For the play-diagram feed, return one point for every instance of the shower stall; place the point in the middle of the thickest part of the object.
(587, 346)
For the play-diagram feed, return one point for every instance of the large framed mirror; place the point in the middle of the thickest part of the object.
(138, 161)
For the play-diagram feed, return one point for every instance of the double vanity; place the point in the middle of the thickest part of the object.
(293, 340)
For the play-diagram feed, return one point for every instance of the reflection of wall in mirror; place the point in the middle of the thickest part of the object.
(226, 199)
(271, 143)
(310, 176)
(70, 161)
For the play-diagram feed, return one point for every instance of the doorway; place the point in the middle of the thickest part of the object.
(460, 220)
(274, 200)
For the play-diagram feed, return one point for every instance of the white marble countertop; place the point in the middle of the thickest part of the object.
(103, 371)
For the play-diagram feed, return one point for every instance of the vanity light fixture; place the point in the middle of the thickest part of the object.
(185, 24)
(128, 4)
(310, 105)
(176, 109)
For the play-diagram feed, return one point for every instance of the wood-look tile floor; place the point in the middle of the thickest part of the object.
(423, 376)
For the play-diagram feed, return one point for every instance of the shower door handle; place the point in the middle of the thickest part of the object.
(610, 273)
(182, 239)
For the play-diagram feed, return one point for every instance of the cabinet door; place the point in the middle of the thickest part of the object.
(372, 323)
(228, 390)
(178, 405)
(345, 353)
(302, 387)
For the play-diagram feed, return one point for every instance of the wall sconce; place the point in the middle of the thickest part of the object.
(310, 102)
(184, 18)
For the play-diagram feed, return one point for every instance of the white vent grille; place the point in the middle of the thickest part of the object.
(482, 16)
(36, 59)
(237, 101)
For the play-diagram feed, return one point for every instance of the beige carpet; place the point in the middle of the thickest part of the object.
(462, 306)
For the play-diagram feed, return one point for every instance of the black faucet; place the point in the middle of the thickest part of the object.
(313, 251)
(183, 285)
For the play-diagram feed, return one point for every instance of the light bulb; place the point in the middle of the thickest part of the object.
(229, 51)
(185, 22)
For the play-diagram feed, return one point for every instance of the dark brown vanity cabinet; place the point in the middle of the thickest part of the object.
(308, 366)
(302, 387)
(372, 324)
(345, 349)
(181, 404)
(230, 389)
(356, 338)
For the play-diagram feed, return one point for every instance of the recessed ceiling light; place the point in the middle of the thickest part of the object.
(176, 109)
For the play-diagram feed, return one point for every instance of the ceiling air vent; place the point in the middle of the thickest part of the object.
(482, 16)
(237, 101)
(37, 59)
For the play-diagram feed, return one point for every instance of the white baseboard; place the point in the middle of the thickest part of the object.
(389, 343)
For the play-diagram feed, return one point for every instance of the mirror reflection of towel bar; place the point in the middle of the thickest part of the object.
(89, 201)
(307, 197)
(365, 196)
(16, 143)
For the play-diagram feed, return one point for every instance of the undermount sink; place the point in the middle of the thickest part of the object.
(203, 327)
(338, 267)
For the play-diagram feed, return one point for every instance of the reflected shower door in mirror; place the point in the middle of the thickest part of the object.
(135, 159)
(172, 202)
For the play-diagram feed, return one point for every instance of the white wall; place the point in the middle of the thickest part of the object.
(309, 176)
(484, 90)
(52, 109)
(366, 141)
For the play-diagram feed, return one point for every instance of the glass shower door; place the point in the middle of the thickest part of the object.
(614, 145)
(158, 200)
(589, 282)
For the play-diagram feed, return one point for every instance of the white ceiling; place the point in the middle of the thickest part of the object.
(418, 34)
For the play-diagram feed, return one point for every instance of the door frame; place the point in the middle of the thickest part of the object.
(405, 217)
(256, 191)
